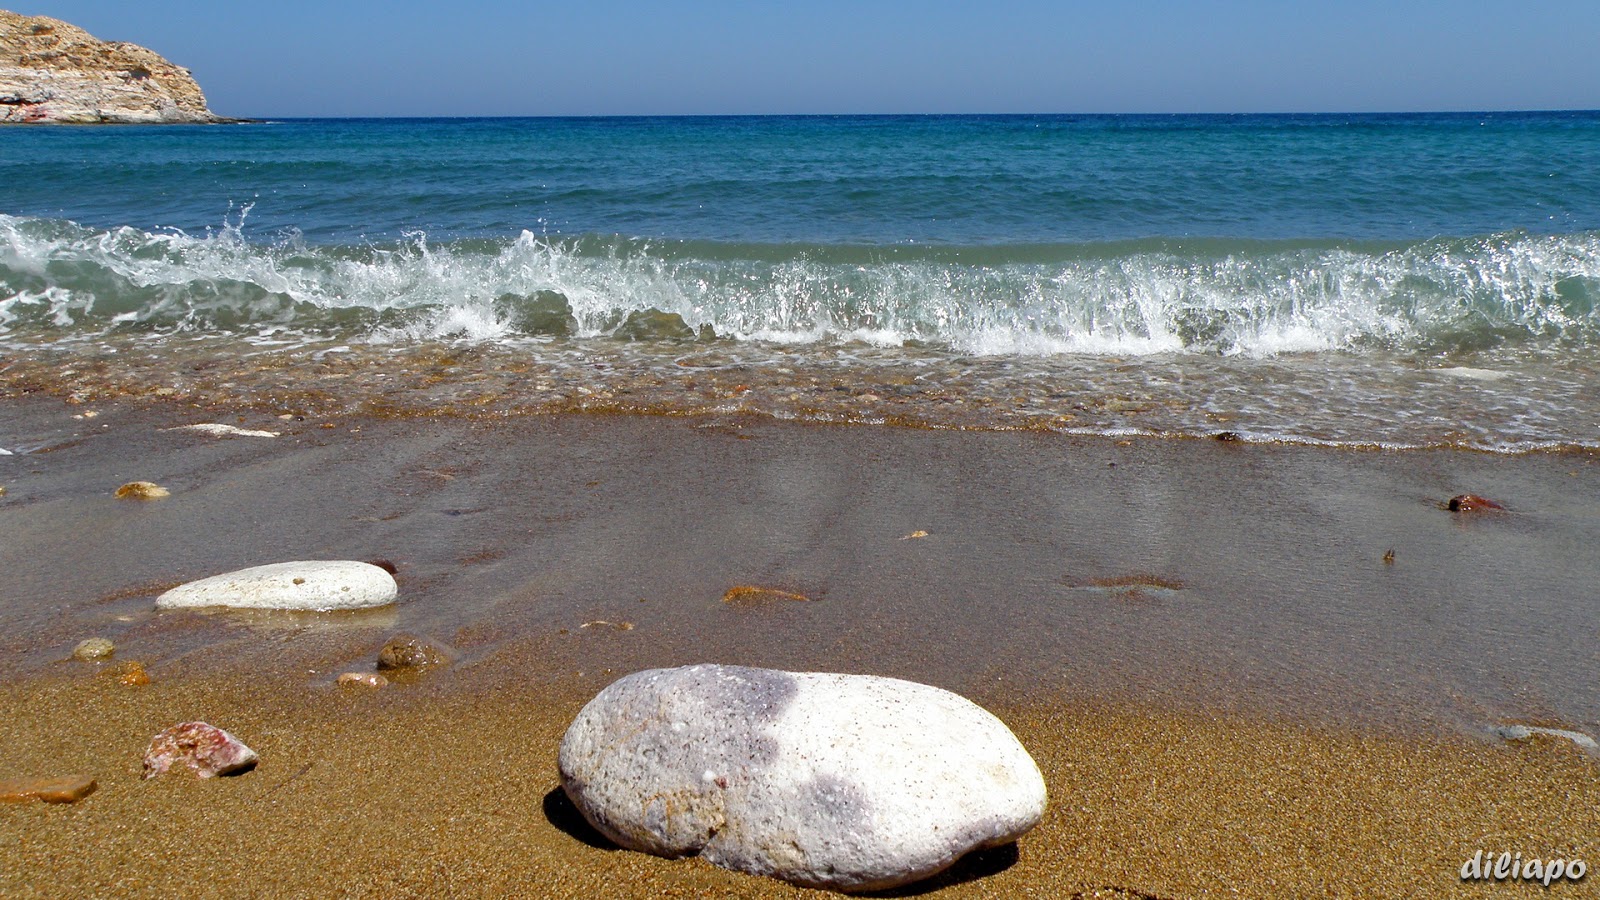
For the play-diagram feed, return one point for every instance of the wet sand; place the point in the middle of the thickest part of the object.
(1228, 689)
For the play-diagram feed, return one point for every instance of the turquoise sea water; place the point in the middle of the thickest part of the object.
(1399, 280)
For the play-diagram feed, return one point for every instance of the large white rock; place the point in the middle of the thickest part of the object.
(849, 782)
(312, 585)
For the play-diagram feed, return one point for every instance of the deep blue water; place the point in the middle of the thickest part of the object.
(956, 180)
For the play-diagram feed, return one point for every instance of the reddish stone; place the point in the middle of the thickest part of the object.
(206, 749)
(66, 789)
(1472, 503)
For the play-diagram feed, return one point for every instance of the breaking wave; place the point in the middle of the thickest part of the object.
(1252, 298)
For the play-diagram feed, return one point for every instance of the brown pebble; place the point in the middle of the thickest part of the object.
(1472, 503)
(1388, 557)
(369, 679)
(385, 565)
(134, 675)
(64, 789)
(142, 490)
(404, 651)
(751, 595)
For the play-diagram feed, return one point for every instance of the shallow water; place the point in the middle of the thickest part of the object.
(1190, 574)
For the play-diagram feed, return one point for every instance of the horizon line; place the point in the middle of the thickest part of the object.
(933, 115)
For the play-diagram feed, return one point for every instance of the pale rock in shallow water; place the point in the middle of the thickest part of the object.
(1525, 732)
(848, 782)
(206, 749)
(310, 585)
(94, 648)
(218, 429)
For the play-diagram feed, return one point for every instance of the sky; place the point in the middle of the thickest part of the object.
(614, 57)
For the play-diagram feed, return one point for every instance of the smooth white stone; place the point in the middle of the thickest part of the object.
(849, 782)
(217, 429)
(310, 585)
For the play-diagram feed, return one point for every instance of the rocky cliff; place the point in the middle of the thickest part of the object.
(51, 71)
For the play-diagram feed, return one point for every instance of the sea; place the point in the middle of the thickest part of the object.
(1372, 281)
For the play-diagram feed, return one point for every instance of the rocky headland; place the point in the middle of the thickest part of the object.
(54, 72)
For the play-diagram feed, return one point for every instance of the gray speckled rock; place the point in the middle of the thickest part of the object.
(849, 782)
(311, 585)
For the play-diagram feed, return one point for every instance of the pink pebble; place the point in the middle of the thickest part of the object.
(206, 749)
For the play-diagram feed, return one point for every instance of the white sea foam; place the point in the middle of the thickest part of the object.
(1125, 302)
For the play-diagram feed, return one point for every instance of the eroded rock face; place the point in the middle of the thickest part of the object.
(848, 782)
(51, 71)
(205, 749)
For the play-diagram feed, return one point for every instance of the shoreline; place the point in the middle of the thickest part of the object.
(1226, 686)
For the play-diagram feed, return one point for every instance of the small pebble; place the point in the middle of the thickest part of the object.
(404, 651)
(217, 429)
(64, 789)
(142, 490)
(751, 595)
(369, 679)
(603, 623)
(134, 675)
(915, 535)
(94, 648)
(206, 749)
(1526, 732)
(1472, 503)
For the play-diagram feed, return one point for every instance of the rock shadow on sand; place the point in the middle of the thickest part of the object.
(975, 865)
(560, 811)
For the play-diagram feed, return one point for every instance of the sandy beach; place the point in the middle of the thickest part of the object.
(1228, 688)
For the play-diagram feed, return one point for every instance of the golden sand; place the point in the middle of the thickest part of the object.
(448, 788)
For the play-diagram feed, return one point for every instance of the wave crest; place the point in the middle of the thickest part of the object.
(1130, 298)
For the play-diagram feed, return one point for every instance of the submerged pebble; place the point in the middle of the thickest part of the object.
(218, 429)
(409, 652)
(94, 648)
(1526, 732)
(1471, 503)
(367, 679)
(205, 749)
(752, 595)
(607, 623)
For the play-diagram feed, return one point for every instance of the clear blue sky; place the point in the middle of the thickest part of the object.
(616, 57)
